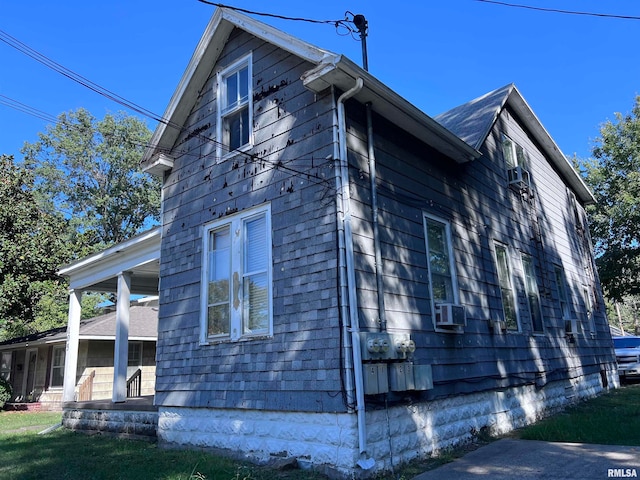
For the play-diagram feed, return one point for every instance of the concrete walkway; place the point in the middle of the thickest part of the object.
(509, 459)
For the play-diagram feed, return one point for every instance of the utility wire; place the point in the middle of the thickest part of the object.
(279, 165)
(340, 22)
(555, 10)
(43, 59)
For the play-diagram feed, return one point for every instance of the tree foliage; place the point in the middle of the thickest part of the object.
(33, 245)
(89, 169)
(614, 177)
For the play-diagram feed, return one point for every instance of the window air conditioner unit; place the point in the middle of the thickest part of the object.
(450, 315)
(571, 327)
(519, 178)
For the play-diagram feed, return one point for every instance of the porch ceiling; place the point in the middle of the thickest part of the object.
(139, 256)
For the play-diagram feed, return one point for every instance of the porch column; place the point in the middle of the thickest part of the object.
(71, 355)
(121, 349)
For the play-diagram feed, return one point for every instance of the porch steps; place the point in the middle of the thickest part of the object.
(115, 420)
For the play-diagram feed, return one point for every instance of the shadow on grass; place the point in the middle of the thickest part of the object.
(68, 455)
(610, 419)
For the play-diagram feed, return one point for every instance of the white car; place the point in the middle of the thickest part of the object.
(628, 357)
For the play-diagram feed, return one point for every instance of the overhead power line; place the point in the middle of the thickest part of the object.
(555, 10)
(273, 15)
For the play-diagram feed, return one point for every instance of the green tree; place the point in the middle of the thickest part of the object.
(614, 177)
(33, 244)
(89, 170)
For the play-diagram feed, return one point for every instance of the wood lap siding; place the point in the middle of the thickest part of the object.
(297, 369)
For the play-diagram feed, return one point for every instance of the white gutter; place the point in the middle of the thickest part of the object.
(345, 197)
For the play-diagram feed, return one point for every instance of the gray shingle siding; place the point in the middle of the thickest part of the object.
(291, 370)
(476, 199)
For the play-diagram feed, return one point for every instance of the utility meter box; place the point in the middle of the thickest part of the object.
(375, 378)
(406, 376)
(376, 346)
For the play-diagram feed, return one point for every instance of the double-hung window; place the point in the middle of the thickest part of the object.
(533, 294)
(135, 354)
(563, 296)
(236, 286)
(506, 286)
(514, 155)
(57, 366)
(440, 262)
(234, 125)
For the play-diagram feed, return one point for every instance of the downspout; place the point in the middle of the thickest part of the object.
(342, 269)
(382, 315)
(345, 198)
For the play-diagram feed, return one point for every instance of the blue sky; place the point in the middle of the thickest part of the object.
(575, 71)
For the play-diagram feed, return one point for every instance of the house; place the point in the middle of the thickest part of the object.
(35, 364)
(351, 282)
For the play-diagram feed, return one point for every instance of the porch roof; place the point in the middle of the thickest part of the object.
(140, 256)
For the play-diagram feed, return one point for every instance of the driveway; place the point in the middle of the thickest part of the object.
(507, 459)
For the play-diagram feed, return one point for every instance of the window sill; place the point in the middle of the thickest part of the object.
(238, 151)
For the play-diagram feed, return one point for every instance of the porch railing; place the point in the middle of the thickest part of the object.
(85, 391)
(134, 384)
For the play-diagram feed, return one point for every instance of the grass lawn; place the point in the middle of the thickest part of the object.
(610, 419)
(63, 454)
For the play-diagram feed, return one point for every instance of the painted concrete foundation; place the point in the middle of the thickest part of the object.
(395, 435)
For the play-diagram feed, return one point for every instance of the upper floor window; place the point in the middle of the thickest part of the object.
(442, 277)
(517, 165)
(234, 106)
(506, 286)
(236, 286)
(57, 366)
(533, 294)
(588, 307)
(514, 154)
(563, 296)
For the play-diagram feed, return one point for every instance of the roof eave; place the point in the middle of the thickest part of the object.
(521, 107)
(342, 73)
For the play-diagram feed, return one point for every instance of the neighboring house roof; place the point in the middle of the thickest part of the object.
(143, 325)
(473, 121)
(331, 69)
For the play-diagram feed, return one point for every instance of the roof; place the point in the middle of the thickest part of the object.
(139, 255)
(143, 325)
(473, 121)
(330, 70)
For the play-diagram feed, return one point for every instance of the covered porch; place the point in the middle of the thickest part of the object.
(126, 269)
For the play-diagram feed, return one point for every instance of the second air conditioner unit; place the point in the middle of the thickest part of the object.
(450, 315)
(519, 178)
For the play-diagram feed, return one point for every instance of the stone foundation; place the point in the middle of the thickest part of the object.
(138, 425)
(329, 442)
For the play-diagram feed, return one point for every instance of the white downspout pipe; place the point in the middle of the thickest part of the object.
(345, 195)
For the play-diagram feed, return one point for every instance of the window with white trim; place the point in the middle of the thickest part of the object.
(588, 306)
(237, 273)
(235, 110)
(57, 366)
(533, 294)
(440, 262)
(563, 296)
(507, 291)
(5, 365)
(514, 154)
